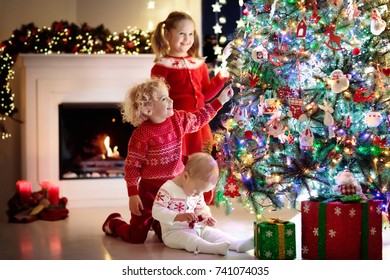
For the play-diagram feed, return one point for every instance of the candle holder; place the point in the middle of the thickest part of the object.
(26, 206)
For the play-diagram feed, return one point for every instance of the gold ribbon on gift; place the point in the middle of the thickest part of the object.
(280, 223)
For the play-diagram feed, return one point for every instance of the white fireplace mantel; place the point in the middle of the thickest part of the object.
(49, 80)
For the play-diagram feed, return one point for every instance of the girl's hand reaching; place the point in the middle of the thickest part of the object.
(135, 205)
(226, 94)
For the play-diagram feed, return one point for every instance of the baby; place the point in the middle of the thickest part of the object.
(186, 220)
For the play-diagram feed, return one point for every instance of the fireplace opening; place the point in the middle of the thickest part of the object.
(93, 140)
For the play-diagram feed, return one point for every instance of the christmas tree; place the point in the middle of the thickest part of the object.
(312, 100)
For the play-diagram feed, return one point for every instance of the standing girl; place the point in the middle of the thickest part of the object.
(175, 43)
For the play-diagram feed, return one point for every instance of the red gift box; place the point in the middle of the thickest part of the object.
(341, 231)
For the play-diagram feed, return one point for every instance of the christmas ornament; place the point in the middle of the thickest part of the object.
(386, 71)
(301, 29)
(356, 51)
(377, 25)
(285, 93)
(259, 54)
(248, 134)
(314, 16)
(339, 82)
(249, 41)
(306, 139)
(271, 106)
(335, 4)
(296, 109)
(231, 187)
(373, 119)
(347, 184)
(352, 10)
(380, 142)
(274, 127)
(333, 39)
(360, 97)
(328, 118)
(241, 117)
(261, 106)
(275, 59)
(253, 80)
(348, 121)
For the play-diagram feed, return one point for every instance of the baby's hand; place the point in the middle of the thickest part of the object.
(210, 221)
(226, 94)
(186, 217)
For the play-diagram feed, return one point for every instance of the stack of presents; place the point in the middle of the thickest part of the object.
(345, 226)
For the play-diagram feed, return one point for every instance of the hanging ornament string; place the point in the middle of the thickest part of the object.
(298, 74)
(273, 9)
(379, 78)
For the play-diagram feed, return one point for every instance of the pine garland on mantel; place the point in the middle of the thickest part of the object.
(61, 37)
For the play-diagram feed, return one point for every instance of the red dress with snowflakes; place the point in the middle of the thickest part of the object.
(190, 88)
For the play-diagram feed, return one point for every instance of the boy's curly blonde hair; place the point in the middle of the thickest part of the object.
(137, 106)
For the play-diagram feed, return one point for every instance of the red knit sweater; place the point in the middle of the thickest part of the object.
(155, 150)
(188, 78)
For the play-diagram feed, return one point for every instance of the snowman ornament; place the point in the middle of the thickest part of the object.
(347, 184)
(306, 139)
(377, 25)
(339, 81)
(373, 119)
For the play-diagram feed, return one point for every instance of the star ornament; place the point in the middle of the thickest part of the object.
(216, 7)
(240, 23)
(217, 50)
(217, 29)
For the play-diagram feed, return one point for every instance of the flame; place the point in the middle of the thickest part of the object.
(111, 153)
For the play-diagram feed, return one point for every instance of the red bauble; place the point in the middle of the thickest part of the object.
(356, 51)
(248, 134)
(386, 71)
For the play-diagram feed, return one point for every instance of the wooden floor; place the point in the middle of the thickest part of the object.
(80, 237)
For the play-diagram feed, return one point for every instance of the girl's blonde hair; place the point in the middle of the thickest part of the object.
(160, 44)
(202, 166)
(137, 106)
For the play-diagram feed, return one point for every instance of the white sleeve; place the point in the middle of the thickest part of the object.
(201, 208)
(160, 210)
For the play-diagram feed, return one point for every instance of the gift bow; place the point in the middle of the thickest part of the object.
(274, 221)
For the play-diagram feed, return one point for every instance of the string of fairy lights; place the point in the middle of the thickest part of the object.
(220, 21)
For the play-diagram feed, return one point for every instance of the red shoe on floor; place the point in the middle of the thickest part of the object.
(106, 226)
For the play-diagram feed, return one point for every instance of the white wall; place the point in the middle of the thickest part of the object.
(116, 15)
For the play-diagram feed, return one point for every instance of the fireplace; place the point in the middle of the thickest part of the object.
(93, 140)
(51, 83)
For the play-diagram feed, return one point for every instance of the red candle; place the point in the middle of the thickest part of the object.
(24, 189)
(53, 194)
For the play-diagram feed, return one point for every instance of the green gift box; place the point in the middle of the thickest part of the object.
(275, 240)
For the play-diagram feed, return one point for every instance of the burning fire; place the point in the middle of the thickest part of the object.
(110, 153)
